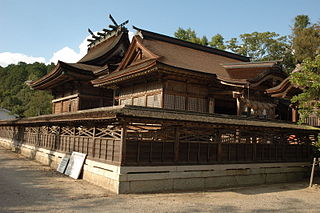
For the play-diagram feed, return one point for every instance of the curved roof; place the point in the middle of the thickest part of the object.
(64, 72)
(285, 89)
(99, 60)
(107, 51)
(172, 52)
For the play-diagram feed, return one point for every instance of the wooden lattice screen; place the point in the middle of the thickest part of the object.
(168, 143)
(101, 143)
(159, 144)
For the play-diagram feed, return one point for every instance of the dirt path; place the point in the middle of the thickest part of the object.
(26, 186)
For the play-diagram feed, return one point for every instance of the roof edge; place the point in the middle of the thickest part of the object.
(157, 36)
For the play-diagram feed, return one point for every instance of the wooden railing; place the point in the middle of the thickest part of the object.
(101, 143)
(135, 141)
(161, 144)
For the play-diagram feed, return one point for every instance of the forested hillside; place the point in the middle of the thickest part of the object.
(17, 96)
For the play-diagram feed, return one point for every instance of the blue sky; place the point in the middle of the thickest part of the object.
(51, 30)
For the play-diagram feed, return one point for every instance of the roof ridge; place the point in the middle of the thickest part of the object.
(157, 36)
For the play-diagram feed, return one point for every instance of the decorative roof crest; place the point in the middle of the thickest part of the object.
(106, 33)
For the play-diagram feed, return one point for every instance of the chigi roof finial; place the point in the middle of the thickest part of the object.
(106, 33)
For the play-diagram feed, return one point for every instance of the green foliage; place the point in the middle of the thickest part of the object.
(17, 96)
(308, 78)
(217, 41)
(305, 42)
(301, 22)
(190, 35)
(259, 46)
(263, 46)
(316, 147)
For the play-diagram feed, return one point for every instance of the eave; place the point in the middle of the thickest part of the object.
(120, 113)
(62, 73)
(284, 90)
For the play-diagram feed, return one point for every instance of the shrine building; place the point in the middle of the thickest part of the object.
(155, 113)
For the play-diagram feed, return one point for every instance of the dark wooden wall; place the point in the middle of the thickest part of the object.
(161, 142)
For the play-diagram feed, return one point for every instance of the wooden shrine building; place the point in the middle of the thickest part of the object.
(160, 114)
(70, 83)
(159, 71)
(286, 90)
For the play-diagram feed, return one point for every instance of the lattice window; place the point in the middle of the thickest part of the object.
(180, 102)
(153, 100)
(192, 104)
(169, 101)
(203, 105)
(157, 101)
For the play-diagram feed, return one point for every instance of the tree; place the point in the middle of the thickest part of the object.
(217, 41)
(259, 46)
(305, 39)
(301, 22)
(308, 78)
(263, 46)
(190, 35)
(187, 35)
(17, 96)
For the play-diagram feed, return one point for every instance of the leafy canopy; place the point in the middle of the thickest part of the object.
(190, 35)
(305, 39)
(263, 46)
(258, 46)
(308, 78)
(17, 96)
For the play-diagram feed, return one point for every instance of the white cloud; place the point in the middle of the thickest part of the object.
(65, 54)
(7, 58)
(131, 34)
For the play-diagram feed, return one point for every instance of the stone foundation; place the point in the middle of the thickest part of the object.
(144, 179)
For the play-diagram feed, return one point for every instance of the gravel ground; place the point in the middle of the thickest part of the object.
(26, 186)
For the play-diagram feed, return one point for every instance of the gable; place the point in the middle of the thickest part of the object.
(137, 53)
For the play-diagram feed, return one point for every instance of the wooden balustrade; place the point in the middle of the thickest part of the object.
(132, 138)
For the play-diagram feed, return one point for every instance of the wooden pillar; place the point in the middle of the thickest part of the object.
(176, 144)
(219, 149)
(211, 105)
(294, 114)
(53, 110)
(56, 144)
(254, 147)
(238, 106)
(94, 142)
(114, 97)
(74, 139)
(123, 144)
